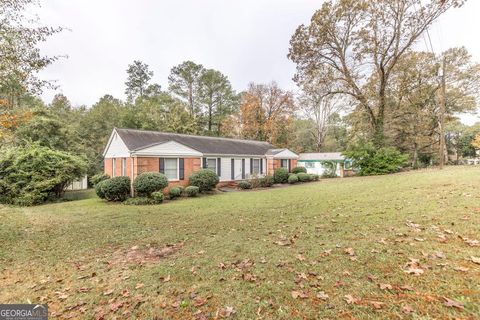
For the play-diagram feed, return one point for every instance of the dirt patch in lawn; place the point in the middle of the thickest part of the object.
(148, 254)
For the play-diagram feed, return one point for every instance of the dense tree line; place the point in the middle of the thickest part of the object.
(341, 103)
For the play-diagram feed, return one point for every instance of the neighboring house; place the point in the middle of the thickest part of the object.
(131, 152)
(80, 184)
(315, 163)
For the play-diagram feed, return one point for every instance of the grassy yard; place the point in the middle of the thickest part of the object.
(399, 247)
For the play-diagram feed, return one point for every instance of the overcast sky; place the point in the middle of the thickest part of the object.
(247, 40)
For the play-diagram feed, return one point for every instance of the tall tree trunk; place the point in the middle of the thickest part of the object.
(415, 156)
(210, 107)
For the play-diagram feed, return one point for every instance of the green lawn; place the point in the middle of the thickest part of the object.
(271, 254)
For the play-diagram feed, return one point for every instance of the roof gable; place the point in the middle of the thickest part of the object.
(170, 148)
(116, 147)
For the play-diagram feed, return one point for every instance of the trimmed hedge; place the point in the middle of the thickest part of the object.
(158, 196)
(96, 179)
(204, 179)
(297, 170)
(314, 177)
(267, 181)
(280, 175)
(174, 192)
(292, 178)
(116, 189)
(149, 182)
(244, 185)
(139, 201)
(99, 189)
(192, 191)
(303, 177)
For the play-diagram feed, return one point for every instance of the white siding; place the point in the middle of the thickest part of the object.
(238, 169)
(168, 149)
(247, 168)
(116, 148)
(226, 164)
(319, 168)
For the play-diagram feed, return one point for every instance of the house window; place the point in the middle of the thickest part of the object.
(309, 165)
(256, 166)
(171, 168)
(114, 167)
(124, 166)
(212, 164)
(284, 163)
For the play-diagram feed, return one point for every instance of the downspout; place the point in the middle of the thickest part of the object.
(132, 192)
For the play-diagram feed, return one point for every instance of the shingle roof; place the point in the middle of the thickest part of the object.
(323, 156)
(273, 152)
(139, 139)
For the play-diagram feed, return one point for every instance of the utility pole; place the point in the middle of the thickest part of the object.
(443, 108)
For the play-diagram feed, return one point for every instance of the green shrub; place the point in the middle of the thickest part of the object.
(149, 182)
(292, 178)
(299, 170)
(204, 179)
(245, 185)
(99, 189)
(192, 191)
(34, 174)
(375, 161)
(96, 179)
(314, 177)
(255, 181)
(174, 192)
(139, 201)
(303, 177)
(116, 189)
(280, 175)
(267, 181)
(330, 169)
(182, 188)
(158, 196)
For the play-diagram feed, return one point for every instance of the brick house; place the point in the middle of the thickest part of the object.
(131, 152)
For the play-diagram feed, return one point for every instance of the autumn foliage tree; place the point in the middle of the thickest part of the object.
(266, 113)
(357, 45)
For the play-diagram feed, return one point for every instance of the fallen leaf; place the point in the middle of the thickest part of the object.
(385, 286)
(452, 303)
(376, 304)
(475, 259)
(407, 309)
(322, 295)
(226, 312)
(166, 279)
(108, 292)
(299, 294)
(350, 299)
(407, 288)
(84, 289)
(414, 271)
(350, 251)
(461, 269)
(139, 286)
(300, 257)
(115, 306)
(198, 302)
